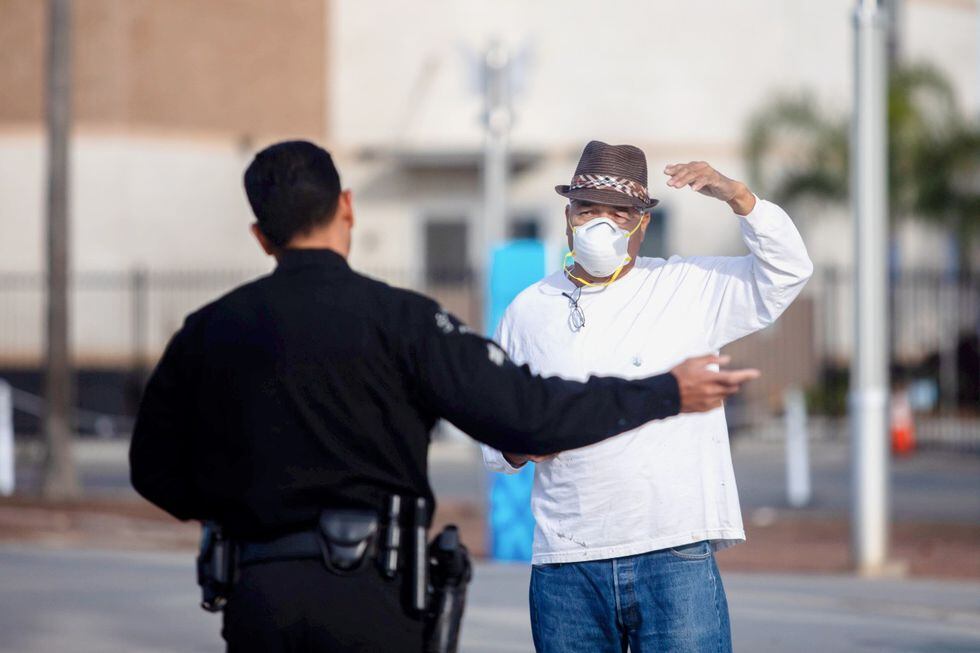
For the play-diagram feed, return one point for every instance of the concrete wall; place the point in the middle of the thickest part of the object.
(174, 96)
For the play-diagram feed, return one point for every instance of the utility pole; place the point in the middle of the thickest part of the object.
(60, 480)
(497, 118)
(869, 366)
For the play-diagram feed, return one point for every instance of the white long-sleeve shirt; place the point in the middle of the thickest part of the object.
(670, 482)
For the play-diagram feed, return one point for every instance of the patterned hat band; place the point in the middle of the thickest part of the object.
(620, 184)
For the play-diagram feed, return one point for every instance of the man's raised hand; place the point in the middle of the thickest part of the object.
(700, 176)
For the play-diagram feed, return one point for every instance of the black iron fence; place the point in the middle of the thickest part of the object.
(122, 320)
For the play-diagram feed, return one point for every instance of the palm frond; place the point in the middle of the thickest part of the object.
(794, 151)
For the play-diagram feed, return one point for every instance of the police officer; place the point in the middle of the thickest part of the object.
(312, 391)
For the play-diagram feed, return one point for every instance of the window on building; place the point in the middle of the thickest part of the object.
(655, 242)
(446, 251)
(524, 227)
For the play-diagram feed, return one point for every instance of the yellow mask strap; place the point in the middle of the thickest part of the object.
(638, 223)
(568, 272)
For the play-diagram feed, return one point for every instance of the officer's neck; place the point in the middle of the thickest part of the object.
(327, 237)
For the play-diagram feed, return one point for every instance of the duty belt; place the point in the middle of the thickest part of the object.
(347, 541)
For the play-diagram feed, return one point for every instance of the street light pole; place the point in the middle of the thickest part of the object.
(869, 366)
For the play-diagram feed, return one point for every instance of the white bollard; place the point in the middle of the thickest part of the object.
(6, 439)
(797, 449)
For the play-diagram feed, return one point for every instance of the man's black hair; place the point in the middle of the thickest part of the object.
(292, 186)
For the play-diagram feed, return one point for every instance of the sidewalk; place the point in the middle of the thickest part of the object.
(788, 543)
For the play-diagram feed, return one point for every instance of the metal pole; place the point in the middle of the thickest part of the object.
(797, 449)
(497, 120)
(60, 480)
(869, 367)
(6, 439)
(893, 29)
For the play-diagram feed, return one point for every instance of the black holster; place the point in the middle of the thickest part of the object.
(215, 567)
(450, 572)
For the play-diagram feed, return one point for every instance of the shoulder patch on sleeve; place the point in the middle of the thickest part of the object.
(444, 322)
(449, 323)
(496, 354)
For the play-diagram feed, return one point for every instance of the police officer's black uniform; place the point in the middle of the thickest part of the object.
(316, 387)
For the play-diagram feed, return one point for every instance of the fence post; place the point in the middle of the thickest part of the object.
(7, 452)
(797, 449)
(947, 341)
(138, 284)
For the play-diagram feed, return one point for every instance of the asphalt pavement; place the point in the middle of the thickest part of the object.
(100, 602)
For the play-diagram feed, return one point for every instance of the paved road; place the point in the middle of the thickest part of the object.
(929, 486)
(62, 600)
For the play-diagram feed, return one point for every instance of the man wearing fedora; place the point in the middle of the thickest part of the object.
(626, 529)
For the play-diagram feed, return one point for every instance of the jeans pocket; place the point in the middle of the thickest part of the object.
(694, 551)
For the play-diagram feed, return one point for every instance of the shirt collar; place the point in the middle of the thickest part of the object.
(293, 259)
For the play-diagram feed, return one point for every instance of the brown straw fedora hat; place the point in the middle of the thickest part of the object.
(615, 175)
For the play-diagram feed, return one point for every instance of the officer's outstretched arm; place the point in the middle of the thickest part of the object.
(470, 381)
(160, 452)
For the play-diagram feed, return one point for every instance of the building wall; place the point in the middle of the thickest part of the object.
(170, 100)
(248, 69)
(680, 80)
(173, 97)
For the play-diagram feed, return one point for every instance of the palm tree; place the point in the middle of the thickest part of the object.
(795, 150)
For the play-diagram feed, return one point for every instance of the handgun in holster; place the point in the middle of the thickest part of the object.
(215, 567)
(450, 572)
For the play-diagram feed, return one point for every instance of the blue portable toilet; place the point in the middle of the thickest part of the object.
(513, 267)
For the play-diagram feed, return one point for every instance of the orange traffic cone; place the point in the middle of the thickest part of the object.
(903, 425)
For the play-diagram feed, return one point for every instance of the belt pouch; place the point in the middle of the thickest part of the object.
(348, 539)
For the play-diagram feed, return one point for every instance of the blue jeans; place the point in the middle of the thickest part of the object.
(669, 600)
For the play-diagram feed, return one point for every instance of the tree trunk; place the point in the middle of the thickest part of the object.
(60, 479)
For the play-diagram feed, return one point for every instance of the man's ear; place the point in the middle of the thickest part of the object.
(644, 223)
(264, 242)
(345, 206)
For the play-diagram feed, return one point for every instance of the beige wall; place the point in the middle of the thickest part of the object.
(172, 98)
(254, 69)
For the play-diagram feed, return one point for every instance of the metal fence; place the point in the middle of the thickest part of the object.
(935, 364)
(122, 320)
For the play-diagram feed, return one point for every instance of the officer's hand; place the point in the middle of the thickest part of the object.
(518, 459)
(704, 389)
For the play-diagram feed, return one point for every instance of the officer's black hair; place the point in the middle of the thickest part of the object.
(292, 186)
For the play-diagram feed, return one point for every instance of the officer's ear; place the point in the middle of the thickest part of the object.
(345, 207)
(264, 242)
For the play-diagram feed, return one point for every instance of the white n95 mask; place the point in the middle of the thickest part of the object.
(601, 246)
